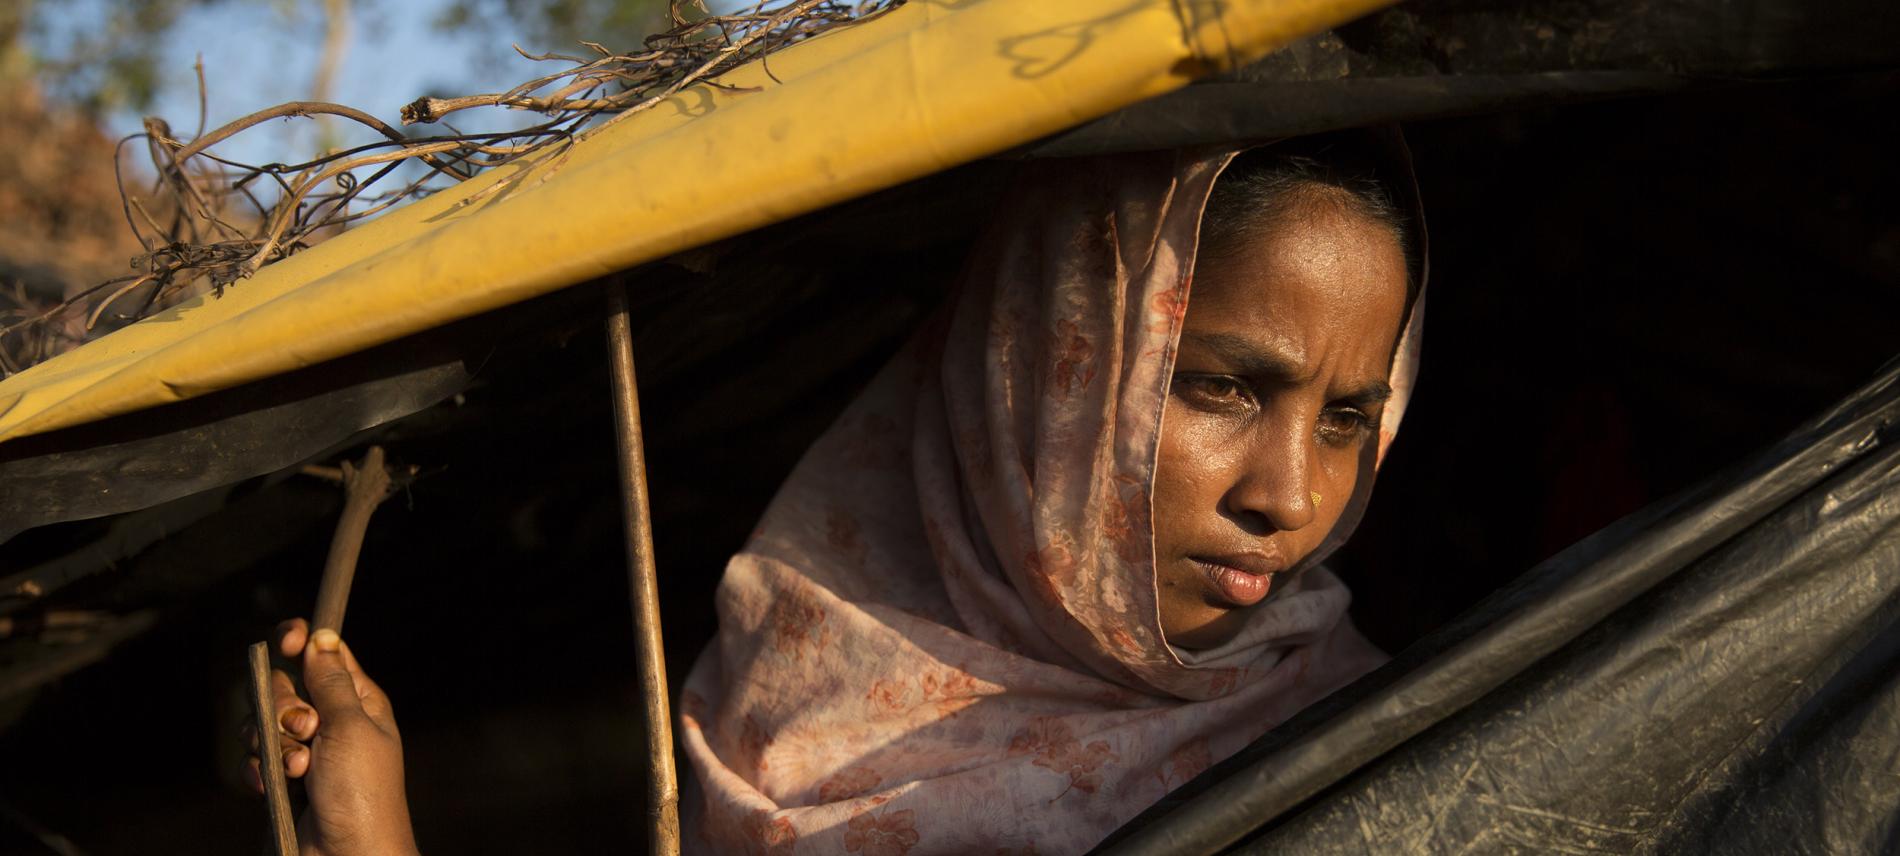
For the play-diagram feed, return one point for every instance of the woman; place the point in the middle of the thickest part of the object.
(1061, 555)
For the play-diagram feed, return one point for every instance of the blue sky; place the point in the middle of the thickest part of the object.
(256, 55)
(259, 54)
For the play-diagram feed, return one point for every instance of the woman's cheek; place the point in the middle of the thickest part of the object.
(1182, 452)
(1340, 481)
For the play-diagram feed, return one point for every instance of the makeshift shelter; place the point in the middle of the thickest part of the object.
(1469, 738)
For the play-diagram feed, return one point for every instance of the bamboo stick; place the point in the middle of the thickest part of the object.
(663, 832)
(270, 755)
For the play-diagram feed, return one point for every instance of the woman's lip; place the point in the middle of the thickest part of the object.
(1255, 563)
(1238, 586)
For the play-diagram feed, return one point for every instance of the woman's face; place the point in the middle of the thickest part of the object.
(1278, 387)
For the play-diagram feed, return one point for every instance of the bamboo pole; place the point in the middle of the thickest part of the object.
(663, 828)
(270, 754)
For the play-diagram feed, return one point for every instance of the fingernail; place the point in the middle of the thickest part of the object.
(293, 721)
(326, 640)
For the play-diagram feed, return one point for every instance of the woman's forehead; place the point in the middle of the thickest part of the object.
(1302, 280)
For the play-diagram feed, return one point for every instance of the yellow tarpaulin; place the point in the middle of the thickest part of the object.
(933, 84)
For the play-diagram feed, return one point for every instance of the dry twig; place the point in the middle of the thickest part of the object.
(365, 486)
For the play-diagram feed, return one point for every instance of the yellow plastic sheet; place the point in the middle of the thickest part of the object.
(933, 84)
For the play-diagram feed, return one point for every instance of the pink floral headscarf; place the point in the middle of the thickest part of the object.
(944, 636)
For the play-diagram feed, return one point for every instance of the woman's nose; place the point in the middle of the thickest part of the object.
(1272, 487)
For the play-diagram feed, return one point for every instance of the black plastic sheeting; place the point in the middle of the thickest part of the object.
(142, 459)
(1462, 57)
(1719, 673)
(149, 458)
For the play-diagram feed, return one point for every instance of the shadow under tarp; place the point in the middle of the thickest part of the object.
(1403, 64)
(1718, 673)
(1728, 681)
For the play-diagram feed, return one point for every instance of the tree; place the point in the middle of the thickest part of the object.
(561, 25)
(103, 56)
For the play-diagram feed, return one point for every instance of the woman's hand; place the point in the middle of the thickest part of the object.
(343, 744)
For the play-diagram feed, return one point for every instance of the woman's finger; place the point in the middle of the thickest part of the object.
(296, 758)
(295, 754)
(332, 688)
(294, 715)
(253, 774)
(291, 636)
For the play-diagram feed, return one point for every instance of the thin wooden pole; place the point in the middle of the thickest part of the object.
(663, 825)
(270, 754)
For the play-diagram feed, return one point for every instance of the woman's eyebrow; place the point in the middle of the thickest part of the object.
(1245, 357)
(1376, 392)
(1250, 359)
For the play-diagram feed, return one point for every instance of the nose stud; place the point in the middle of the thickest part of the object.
(1315, 497)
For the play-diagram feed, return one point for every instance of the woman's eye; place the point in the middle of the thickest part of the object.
(1212, 391)
(1343, 426)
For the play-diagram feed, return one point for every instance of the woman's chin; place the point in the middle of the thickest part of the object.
(1211, 628)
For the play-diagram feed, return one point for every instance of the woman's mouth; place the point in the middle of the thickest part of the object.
(1239, 580)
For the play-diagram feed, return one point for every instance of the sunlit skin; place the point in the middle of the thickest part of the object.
(1279, 386)
(343, 744)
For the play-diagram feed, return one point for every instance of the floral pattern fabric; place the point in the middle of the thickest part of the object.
(944, 636)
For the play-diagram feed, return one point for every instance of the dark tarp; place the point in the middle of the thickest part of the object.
(1719, 673)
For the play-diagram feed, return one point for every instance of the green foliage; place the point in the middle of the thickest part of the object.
(560, 25)
(93, 55)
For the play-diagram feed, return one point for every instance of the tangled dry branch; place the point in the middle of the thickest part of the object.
(207, 222)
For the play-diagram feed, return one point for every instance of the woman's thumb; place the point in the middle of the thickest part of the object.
(327, 678)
